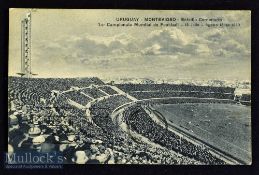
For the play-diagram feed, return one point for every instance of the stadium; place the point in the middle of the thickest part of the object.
(93, 122)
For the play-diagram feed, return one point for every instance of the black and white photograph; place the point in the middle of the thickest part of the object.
(106, 86)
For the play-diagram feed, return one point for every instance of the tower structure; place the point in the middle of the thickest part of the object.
(26, 47)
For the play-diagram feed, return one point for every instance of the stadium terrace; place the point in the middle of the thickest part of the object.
(91, 122)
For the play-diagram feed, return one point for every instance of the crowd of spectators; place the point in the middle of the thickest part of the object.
(93, 92)
(173, 87)
(108, 90)
(77, 97)
(29, 91)
(139, 121)
(67, 130)
(146, 91)
(39, 124)
(162, 94)
(134, 152)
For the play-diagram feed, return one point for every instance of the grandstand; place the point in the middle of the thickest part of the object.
(143, 124)
(112, 124)
(147, 91)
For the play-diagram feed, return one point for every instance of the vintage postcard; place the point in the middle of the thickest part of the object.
(129, 87)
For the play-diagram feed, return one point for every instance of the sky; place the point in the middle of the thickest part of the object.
(70, 43)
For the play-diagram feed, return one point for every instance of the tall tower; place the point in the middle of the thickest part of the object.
(26, 47)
